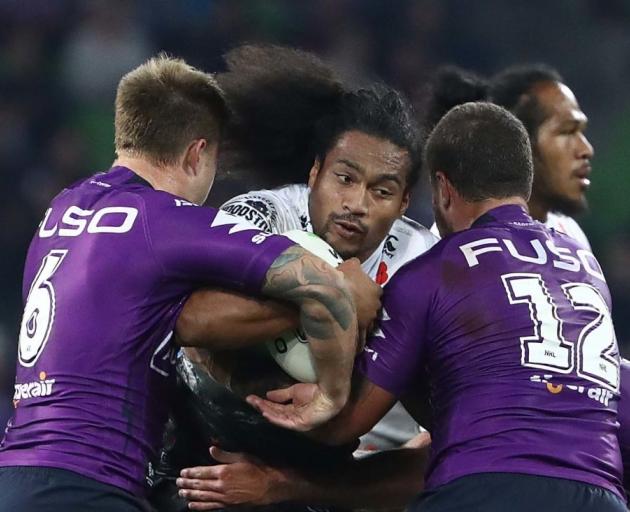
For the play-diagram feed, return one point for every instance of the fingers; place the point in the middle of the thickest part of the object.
(280, 395)
(349, 264)
(226, 457)
(196, 484)
(200, 472)
(277, 414)
(203, 500)
(361, 340)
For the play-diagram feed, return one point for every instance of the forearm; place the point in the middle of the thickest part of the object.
(332, 347)
(386, 479)
(327, 315)
(220, 320)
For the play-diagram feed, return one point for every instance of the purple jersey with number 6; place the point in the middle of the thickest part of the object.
(106, 276)
(510, 323)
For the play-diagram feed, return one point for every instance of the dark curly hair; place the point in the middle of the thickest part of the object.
(452, 86)
(289, 107)
(512, 89)
(380, 111)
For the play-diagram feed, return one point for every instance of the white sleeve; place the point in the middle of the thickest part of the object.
(568, 226)
(261, 208)
(435, 231)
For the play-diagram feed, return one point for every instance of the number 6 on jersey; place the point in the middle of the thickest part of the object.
(39, 311)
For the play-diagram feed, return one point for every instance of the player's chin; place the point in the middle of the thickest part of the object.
(571, 204)
(345, 248)
(578, 203)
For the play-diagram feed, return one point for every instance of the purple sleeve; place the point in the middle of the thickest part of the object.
(210, 246)
(393, 357)
(624, 420)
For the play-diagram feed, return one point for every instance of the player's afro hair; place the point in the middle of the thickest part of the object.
(452, 86)
(276, 95)
(289, 107)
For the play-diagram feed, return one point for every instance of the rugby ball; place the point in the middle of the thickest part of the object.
(290, 349)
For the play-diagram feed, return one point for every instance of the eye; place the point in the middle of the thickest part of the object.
(383, 192)
(343, 178)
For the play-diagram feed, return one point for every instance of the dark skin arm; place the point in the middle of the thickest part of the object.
(230, 320)
(224, 320)
(383, 480)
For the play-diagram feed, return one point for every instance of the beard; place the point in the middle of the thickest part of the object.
(566, 206)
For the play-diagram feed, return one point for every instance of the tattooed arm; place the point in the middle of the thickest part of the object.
(226, 320)
(328, 318)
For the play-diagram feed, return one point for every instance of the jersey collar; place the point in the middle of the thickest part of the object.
(506, 214)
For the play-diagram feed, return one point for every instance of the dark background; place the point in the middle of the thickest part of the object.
(60, 61)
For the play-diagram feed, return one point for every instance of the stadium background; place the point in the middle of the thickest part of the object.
(60, 62)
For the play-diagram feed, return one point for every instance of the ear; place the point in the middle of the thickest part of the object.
(405, 202)
(443, 189)
(192, 156)
(314, 172)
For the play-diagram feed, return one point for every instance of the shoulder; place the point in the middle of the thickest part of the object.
(419, 272)
(567, 225)
(414, 232)
(408, 239)
(269, 210)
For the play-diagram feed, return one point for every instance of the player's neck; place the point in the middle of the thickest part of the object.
(160, 177)
(538, 210)
(479, 208)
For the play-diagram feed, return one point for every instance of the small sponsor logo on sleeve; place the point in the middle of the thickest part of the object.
(181, 202)
(36, 389)
(257, 210)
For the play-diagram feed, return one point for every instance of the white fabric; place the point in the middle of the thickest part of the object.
(558, 221)
(286, 208)
(568, 226)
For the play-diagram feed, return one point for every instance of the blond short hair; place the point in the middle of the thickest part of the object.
(163, 105)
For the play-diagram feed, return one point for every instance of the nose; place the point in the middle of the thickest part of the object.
(585, 149)
(355, 200)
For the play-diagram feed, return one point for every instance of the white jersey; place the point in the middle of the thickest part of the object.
(567, 225)
(286, 208)
(557, 221)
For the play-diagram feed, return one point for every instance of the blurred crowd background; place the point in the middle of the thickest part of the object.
(60, 62)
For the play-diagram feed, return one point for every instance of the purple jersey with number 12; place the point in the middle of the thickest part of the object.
(510, 323)
(106, 276)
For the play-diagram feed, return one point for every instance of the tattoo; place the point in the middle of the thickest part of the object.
(297, 277)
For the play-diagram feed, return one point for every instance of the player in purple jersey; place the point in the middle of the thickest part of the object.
(106, 276)
(509, 323)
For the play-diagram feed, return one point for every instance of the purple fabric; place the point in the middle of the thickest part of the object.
(454, 315)
(116, 259)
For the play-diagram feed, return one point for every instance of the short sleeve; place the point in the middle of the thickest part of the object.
(394, 354)
(259, 208)
(210, 246)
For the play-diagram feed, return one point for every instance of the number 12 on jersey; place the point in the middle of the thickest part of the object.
(593, 355)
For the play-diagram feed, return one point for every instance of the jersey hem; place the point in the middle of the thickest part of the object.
(583, 478)
(26, 460)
